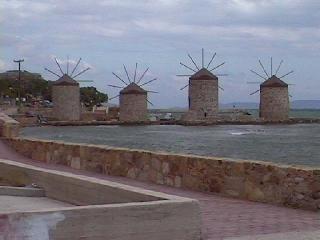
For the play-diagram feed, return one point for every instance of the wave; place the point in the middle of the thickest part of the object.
(247, 132)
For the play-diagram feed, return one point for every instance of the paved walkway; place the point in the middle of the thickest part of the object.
(222, 218)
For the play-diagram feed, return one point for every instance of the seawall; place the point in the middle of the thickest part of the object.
(297, 187)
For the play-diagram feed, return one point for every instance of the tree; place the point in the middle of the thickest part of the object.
(31, 84)
(90, 96)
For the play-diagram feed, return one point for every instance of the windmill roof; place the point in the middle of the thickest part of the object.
(66, 80)
(203, 74)
(274, 82)
(133, 88)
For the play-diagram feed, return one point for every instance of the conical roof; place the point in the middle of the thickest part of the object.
(274, 81)
(66, 80)
(133, 88)
(203, 74)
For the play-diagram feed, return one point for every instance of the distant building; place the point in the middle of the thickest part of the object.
(113, 113)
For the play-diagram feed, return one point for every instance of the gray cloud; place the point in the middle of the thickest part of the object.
(159, 33)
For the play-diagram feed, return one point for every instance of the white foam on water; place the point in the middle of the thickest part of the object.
(238, 133)
(248, 132)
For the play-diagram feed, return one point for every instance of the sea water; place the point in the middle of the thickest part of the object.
(289, 144)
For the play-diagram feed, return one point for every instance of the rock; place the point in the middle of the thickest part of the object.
(300, 196)
(298, 179)
(177, 181)
(155, 163)
(253, 193)
(75, 163)
(132, 173)
(165, 168)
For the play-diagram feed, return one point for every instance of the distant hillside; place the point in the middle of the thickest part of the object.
(306, 104)
(25, 75)
(239, 105)
(297, 104)
(30, 84)
(173, 109)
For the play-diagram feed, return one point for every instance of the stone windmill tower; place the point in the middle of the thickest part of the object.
(204, 88)
(274, 95)
(133, 99)
(66, 94)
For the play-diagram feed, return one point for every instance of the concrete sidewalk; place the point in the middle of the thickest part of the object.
(222, 218)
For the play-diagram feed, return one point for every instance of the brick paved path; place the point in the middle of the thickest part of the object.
(222, 217)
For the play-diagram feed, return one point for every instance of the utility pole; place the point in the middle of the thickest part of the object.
(19, 76)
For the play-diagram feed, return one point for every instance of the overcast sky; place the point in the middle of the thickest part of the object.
(159, 33)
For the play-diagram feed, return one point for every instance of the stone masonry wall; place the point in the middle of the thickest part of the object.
(274, 103)
(133, 107)
(66, 103)
(250, 180)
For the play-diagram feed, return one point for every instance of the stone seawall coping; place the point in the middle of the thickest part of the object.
(292, 186)
(8, 126)
(91, 208)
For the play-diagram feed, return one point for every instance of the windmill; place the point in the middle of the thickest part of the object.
(203, 89)
(66, 93)
(133, 98)
(66, 73)
(274, 95)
